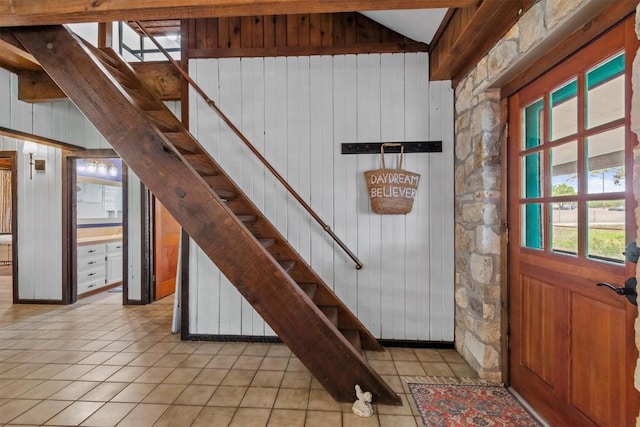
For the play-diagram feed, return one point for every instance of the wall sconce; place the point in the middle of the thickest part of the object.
(31, 148)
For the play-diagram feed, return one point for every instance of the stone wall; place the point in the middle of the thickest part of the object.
(477, 185)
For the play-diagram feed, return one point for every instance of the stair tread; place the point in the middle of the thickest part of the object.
(164, 120)
(225, 194)
(247, 218)
(287, 265)
(201, 163)
(309, 288)
(353, 336)
(331, 311)
(102, 55)
(144, 99)
(267, 242)
(182, 140)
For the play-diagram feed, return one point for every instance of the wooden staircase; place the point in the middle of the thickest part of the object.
(304, 312)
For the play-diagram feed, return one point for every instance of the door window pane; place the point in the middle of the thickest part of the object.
(532, 230)
(605, 229)
(533, 124)
(564, 111)
(533, 175)
(564, 227)
(564, 169)
(605, 162)
(605, 92)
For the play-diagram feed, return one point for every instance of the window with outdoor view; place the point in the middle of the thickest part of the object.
(573, 165)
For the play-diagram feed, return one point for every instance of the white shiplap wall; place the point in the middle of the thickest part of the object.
(40, 199)
(297, 111)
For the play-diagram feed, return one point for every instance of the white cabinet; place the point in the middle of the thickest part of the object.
(98, 265)
(91, 267)
(114, 262)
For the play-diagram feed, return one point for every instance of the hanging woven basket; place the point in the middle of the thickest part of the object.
(391, 191)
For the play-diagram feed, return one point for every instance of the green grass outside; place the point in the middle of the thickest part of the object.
(603, 242)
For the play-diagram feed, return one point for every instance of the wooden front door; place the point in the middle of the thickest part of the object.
(166, 238)
(571, 211)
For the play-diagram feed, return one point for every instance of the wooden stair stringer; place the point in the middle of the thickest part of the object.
(325, 295)
(205, 217)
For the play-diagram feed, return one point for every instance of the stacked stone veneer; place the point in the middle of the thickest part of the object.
(478, 130)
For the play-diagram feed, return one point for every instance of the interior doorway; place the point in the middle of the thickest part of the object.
(96, 225)
(166, 238)
(571, 214)
(8, 226)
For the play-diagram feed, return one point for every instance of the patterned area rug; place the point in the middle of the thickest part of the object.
(466, 405)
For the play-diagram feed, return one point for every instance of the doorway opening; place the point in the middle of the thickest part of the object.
(167, 234)
(8, 226)
(161, 247)
(96, 226)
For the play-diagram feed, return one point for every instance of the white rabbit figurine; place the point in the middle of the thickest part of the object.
(362, 406)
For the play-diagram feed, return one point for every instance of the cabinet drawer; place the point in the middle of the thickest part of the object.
(89, 286)
(91, 274)
(90, 251)
(90, 262)
(114, 247)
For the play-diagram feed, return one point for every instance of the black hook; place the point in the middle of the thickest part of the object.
(629, 290)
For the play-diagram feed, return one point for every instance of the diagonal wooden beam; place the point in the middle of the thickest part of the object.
(30, 12)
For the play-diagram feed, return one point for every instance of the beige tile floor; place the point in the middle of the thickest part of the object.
(97, 363)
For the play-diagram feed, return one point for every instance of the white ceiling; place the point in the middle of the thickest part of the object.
(417, 24)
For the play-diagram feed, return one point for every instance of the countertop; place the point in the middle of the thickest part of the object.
(101, 239)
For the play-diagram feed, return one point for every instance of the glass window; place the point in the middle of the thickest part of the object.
(572, 172)
(605, 160)
(533, 175)
(533, 125)
(605, 92)
(564, 169)
(532, 230)
(606, 229)
(564, 227)
(563, 119)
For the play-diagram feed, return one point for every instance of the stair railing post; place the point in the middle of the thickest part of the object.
(251, 147)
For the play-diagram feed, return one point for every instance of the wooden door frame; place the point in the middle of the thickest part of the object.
(572, 45)
(69, 222)
(632, 200)
(147, 281)
(13, 155)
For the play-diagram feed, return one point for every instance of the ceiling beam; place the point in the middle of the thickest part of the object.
(23, 136)
(469, 34)
(14, 58)
(45, 12)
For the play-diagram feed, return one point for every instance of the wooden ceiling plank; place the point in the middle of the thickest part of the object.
(496, 27)
(336, 49)
(470, 33)
(44, 12)
(464, 31)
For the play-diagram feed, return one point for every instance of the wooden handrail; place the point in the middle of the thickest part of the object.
(250, 146)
